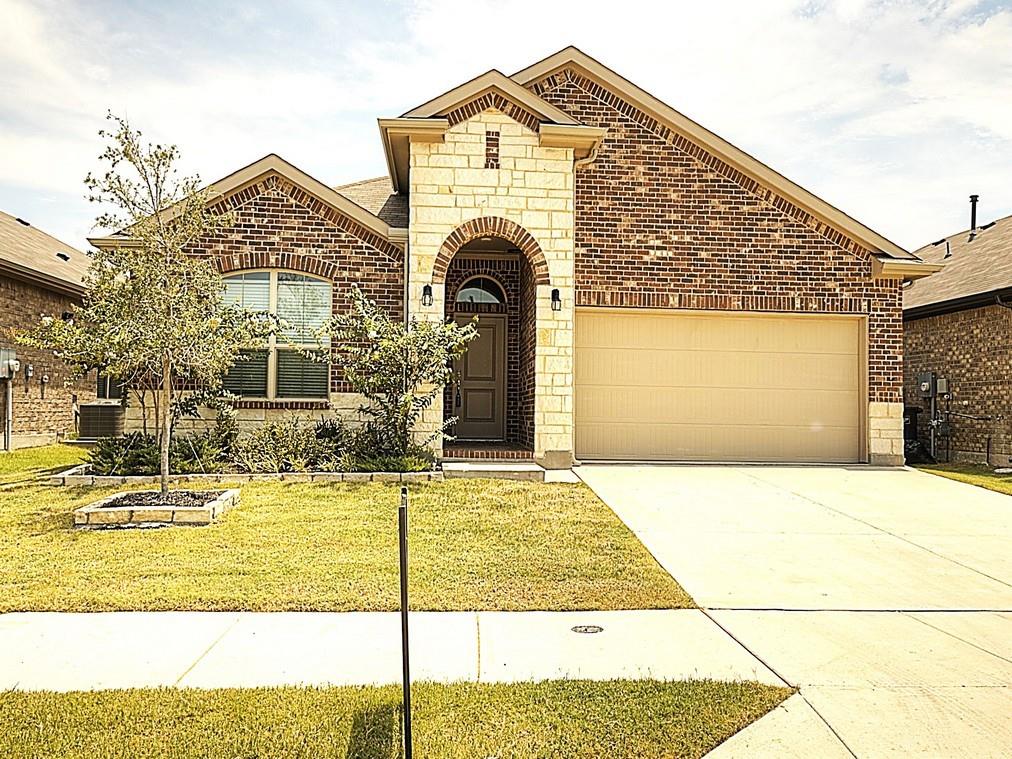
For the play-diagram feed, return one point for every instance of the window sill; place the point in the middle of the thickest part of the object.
(282, 404)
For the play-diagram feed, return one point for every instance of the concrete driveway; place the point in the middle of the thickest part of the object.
(886, 595)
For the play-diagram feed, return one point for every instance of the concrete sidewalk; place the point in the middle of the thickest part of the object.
(63, 652)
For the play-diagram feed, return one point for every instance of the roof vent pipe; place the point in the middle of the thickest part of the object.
(973, 216)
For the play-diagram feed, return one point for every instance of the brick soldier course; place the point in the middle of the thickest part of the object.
(597, 195)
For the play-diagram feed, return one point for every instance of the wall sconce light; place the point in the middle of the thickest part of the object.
(427, 295)
(556, 300)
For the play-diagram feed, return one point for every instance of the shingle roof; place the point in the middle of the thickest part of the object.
(378, 198)
(31, 252)
(982, 265)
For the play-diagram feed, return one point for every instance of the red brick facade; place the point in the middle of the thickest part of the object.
(486, 226)
(662, 223)
(973, 350)
(39, 415)
(278, 225)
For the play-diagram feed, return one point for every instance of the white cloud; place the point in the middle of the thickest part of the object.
(894, 111)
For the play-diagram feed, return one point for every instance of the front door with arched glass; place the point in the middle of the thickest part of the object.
(479, 377)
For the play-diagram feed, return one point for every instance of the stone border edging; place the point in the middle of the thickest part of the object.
(78, 477)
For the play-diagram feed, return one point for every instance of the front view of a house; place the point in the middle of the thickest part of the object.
(643, 289)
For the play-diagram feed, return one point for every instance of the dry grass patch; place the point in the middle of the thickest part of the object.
(972, 474)
(572, 719)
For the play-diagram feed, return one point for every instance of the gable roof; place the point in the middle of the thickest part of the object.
(976, 267)
(377, 196)
(491, 81)
(275, 164)
(572, 57)
(31, 254)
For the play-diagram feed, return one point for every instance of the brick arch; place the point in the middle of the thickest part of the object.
(304, 264)
(491, 226)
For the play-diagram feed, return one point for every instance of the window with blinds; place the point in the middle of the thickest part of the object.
(282, 369)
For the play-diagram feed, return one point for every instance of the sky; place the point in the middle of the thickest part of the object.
(892, 111)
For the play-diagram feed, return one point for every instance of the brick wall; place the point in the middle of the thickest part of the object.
(973, 350)
(661, 223)
(280, 226)
(37, 419)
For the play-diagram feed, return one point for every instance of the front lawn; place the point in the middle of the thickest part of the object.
(973, 474)
(475, 545)
(28, 463)
(617, 719)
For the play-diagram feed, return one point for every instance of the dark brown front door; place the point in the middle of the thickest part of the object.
(479, 392)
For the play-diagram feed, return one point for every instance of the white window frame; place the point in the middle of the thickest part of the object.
(272, 345)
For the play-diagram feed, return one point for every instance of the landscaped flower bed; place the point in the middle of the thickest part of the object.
(148, 508)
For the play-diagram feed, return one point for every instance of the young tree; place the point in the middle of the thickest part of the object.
(399, 368)
(153, 316)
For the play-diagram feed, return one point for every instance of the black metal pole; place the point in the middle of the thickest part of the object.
(402, 529)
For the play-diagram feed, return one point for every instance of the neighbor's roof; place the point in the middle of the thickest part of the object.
(377, 196)
(31, 254)
(975, 267)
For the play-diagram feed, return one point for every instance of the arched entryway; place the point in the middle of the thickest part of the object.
(492, 280)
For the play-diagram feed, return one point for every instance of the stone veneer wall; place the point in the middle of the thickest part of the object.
(533, 188)
(39, 420)
(662, 223)
(973, 350)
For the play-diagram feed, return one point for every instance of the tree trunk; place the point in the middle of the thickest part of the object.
(165, 414)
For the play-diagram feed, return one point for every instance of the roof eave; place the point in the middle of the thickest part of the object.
(39, 279)
(892, 268)
(397, 134)
(962, 303)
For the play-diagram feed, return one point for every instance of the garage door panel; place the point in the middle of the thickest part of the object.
(717, 368)
(698, 405)
(654, 385)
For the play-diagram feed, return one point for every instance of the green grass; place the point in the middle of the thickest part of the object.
(973, 474)
(574, 719)
(29, 463)
(475, 545)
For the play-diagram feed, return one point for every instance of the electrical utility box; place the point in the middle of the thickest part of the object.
(9, 364)
(926, 384)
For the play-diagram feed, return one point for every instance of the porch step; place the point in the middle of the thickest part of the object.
(499, 470)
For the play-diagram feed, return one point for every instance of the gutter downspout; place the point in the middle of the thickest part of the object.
(8, 413)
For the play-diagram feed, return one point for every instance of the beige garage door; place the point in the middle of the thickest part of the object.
(656, 385)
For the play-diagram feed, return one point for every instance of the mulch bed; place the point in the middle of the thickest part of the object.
(174, 500)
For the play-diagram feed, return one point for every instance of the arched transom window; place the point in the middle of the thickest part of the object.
(279, 370)
(481, 290)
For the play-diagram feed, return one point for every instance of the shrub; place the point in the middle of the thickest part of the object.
(286, 445)
(137, 454)
(369, 450)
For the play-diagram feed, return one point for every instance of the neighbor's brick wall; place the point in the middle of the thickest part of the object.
(973, 350)
(660, 223)
(39, 420)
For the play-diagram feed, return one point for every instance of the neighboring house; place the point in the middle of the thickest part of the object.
(644, 289)
(39, 276)
(958, 325)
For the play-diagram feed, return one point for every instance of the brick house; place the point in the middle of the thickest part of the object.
(39, 276)
(644, 289)
(958, 325)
